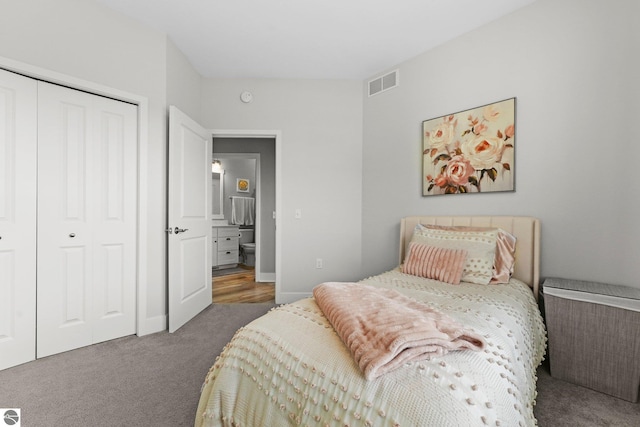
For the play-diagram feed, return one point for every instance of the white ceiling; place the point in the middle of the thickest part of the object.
(325, 39)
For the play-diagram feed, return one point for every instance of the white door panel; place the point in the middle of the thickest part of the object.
(193, 279)
(18, 145)
(86, 219)
(114, 221)
(189, 251)
(64, 219)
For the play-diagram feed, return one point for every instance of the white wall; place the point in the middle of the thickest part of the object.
(183, 83)
(321, 170)
(570, 63)
(321, 124)
(87, 41)
(573, 67)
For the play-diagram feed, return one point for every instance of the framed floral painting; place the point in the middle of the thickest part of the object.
(242, 185)
(471, 151)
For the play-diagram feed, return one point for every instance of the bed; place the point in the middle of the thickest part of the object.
(291, 367)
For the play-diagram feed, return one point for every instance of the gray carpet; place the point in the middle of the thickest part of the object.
(563, 404)
(155, 381)
(149, 381)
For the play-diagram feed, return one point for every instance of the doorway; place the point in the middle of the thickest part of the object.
(256, 276)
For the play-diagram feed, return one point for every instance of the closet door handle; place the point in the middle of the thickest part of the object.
(180, 230)
(72, 235)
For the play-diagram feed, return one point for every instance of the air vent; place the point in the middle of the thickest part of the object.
(382, 83)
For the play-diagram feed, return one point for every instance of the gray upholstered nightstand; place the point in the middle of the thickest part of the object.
(594, 335)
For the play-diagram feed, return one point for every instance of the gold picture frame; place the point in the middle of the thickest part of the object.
(242, 185)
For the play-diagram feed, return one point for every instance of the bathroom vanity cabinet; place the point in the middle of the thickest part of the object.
(225, 248)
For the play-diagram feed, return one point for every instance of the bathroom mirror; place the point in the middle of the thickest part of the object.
(217, 201)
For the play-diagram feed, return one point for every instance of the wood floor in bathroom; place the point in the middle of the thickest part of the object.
(241, 287)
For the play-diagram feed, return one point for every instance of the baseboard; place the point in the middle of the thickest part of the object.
(266, 277)
(288, 297)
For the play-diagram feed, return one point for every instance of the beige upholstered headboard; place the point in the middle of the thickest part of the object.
(526, 229)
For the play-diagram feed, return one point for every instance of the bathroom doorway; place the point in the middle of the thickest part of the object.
(249, 165)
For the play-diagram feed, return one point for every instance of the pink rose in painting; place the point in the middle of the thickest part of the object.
(441, 136)
(509, 131)
(491, 113)
(459, 170)
(441, 181)
(479, 128)
(483, 152)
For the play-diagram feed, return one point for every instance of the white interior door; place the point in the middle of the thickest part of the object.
(18, 144)
(189, 218)
(87, 157)
(114, 242)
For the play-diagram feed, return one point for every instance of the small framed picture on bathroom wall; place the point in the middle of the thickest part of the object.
(242, 185)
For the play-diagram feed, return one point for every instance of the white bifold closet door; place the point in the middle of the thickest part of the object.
(86, 244)
(18, 144)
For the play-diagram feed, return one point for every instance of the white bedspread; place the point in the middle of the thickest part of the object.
(289, 367)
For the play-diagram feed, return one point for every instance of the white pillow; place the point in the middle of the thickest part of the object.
(505, 259)
(480, 247)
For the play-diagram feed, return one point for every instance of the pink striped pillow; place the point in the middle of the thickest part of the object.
(432, 262)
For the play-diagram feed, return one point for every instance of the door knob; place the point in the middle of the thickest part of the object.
(72, 235)
(180, 230)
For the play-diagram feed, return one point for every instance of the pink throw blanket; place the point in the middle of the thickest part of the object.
(384, 329)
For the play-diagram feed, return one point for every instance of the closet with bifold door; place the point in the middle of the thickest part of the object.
(68, 218)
